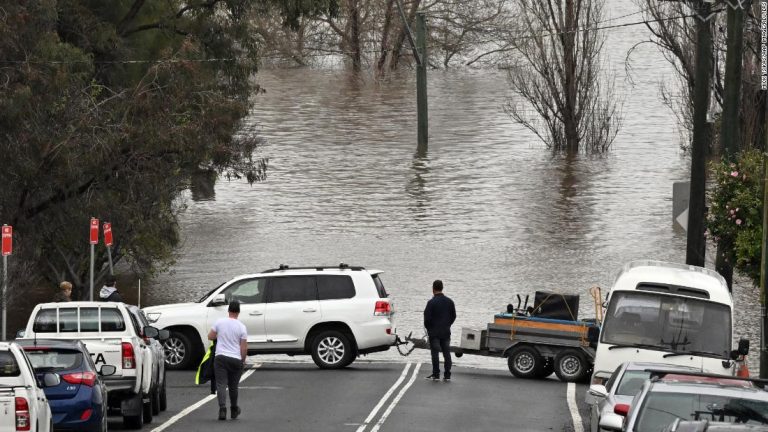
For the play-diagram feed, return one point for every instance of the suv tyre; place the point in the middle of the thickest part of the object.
(332, 349)
(179, 351)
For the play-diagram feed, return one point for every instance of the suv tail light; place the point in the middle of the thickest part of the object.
(22, 414)
(87, 378)
(129, 361)
(383, 308)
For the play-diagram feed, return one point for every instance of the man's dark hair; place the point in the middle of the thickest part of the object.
(234, 306)
(437, 285)
(110, 281)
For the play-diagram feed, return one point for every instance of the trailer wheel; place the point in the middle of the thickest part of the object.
(525, 362)
(571, 365)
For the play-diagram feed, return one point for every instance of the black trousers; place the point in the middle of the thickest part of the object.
(437, 345)
(227, 371)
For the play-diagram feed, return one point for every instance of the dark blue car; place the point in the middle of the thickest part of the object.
(78, 403)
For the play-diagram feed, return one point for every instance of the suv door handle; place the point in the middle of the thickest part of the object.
(310, 310)
(256, 313)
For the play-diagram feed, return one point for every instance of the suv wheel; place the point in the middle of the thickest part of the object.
(178, 351)
(331, 349)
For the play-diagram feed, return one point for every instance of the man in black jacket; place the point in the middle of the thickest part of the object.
(439, 314)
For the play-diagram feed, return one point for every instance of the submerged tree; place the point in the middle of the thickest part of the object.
(560, 77)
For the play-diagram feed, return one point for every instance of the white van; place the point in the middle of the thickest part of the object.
(666, 313)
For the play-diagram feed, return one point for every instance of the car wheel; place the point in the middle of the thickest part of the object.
(163, 395)
(155, 401)
(178, 351)
(571, 365)
(332, 349)
(525, 362)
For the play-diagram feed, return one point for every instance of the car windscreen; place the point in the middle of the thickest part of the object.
(660, 409)
(206, 295)
(668, 323)
(51, 359)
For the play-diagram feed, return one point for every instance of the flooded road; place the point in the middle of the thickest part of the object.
(487, 209)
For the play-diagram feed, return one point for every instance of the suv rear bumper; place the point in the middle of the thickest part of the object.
(372, 336)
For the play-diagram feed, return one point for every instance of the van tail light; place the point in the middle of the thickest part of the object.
(129, 360)
(621, 409)
(383, 308)
(22, 414)
(87, 378)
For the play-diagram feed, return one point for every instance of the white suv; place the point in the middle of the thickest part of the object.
(333, 313)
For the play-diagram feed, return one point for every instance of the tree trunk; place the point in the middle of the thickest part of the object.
(569, 54)
(386, 30)
(354, 35)
(394, 61)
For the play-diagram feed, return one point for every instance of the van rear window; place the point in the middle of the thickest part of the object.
(74, 320)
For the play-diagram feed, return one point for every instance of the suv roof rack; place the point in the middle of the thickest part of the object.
(341, 266)
(657, 374)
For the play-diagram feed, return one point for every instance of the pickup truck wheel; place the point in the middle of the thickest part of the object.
(332, 349)
(178, 351)
(146, 411)
(571, 365)
(155, 400)
(163, 395)
(525, 362)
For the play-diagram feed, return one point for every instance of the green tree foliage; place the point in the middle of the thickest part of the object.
(736, 208)
(108, 107)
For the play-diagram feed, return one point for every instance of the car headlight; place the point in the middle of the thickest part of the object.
(153, 316)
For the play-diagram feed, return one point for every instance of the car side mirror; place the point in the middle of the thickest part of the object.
(20, 334)
(598, 390)
(150, 332)
(611, 422)
(51, 379)
(107, 370)
(218, 300)
(163, 335)
(743, 346)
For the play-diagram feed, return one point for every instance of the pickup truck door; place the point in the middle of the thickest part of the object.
(292, 309)
(251, 294)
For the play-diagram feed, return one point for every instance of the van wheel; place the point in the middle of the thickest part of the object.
(571, 365)
(525, 362)
(332, 349)
(179, 351)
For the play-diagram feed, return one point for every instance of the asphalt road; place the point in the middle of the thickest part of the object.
(373, 396)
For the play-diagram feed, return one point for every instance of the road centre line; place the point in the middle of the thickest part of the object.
(200, 403)
(384, 398)
(578, 426)
(398, 397)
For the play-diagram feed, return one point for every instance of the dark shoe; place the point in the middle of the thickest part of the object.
(433, 377)
(222, 413)
(447, 378)
(235, 412)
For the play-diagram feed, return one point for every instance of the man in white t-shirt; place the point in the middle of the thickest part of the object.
(231, 348)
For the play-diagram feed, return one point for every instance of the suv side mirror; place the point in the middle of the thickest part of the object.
(163, 335)
(218, 300)
(107, 370)
(150, 332)
(598, 390)
(743, 346)
(51, 379)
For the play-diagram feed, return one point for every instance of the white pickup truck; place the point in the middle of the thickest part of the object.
(113, 335)
(23, 405)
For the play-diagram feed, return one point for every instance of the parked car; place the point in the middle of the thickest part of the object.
(23, 403)
(691, 396)
(625, 382)
(158, 393)
(332, 313)
(708, 426)
(79, 402)
(112, 336)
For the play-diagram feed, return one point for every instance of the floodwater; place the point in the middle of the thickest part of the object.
(487, 208)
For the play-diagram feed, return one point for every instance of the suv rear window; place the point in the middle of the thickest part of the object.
(334, 287)
(8, 365)
(379, 286)
(47, 320)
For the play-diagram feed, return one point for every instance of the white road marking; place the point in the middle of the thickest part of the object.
(397, 399)
(574, 408)
(384, 398)
(200, 403)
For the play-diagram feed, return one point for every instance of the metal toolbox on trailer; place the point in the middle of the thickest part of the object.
(472, 339)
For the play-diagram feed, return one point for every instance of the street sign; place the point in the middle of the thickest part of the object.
(7, 240)
(94, 231)
(107, 227)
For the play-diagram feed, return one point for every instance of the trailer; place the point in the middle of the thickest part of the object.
(536, 341)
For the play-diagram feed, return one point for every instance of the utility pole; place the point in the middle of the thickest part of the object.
(421, 81)
(696, 243)
(764, 268)
(730, 139)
